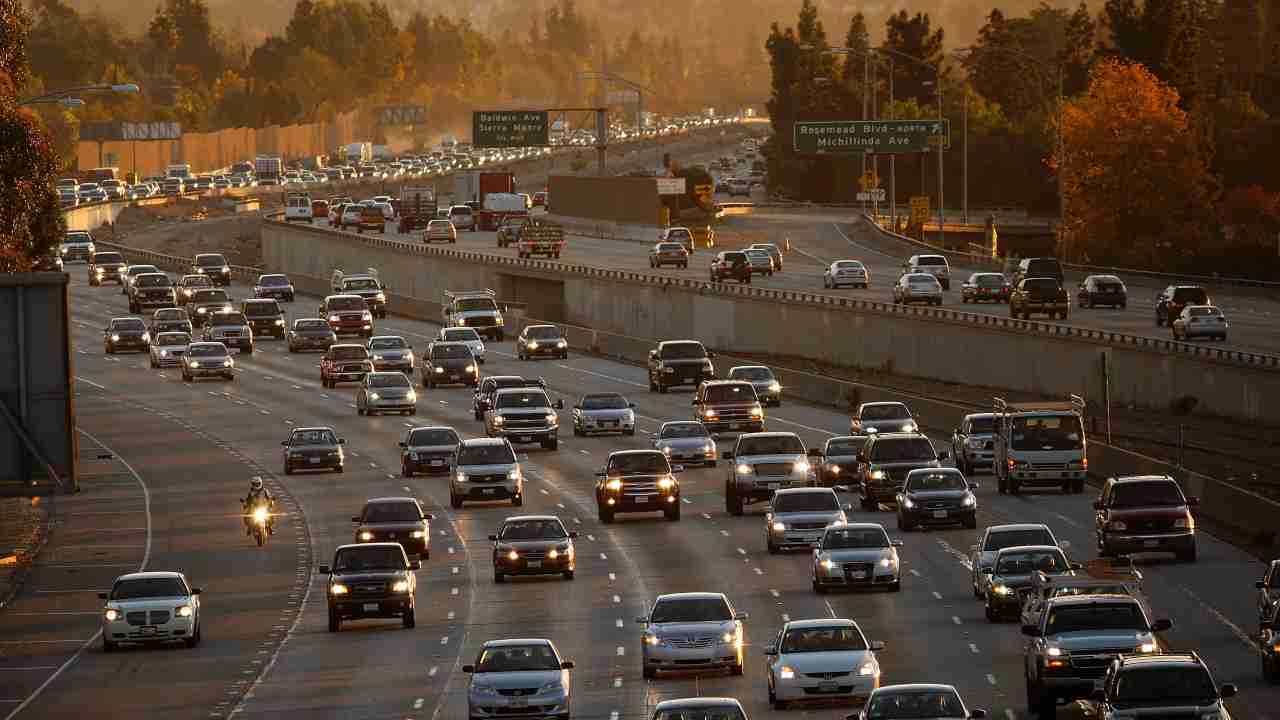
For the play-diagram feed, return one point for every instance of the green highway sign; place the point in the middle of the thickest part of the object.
(833, 137)
(509, 128)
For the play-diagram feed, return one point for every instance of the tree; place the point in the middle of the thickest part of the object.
(1078, 50)
(914, 36)
(30, 220)
(1134, 174)
(858, 40)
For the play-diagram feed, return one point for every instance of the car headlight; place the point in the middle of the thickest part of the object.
(111, 614)
(756, 411)
(1002, 589)
(668, 370)
(1053, 651)
(744, 469)
(462, 477)
(99, 271)
(867, 670)
(400, 586)
(227, 363)
(338, 589)
(115, 338)
(367, 315)
(887, 562)
(184, 611)
(730, 638)
(280, 322)
(775, 387)
(418, 534)
(801, 466)
(513, 474)
(381, 297)
(614, 484)
(195, 364)
(909, 427)
(332, 318)
(226, 269)
(908, 503)
(877, 474)
(666, 451)
(439, 371)
(164, 353)
(411, 396)
(562, 344)
(710, 414)
(552, 418)
(498, 419)
(651, 639)
(483, 690)
(968, 501)
(374, 396)
(469, 368)
(499, 319)
(786, 672)
(827, 564)
(202, 311)
(513, 555)
(1184, 523)
(1146, 647)
(366, 536)
(779, 527)
(666, 483)
(200, 270)
(533, 344)
(226, 308)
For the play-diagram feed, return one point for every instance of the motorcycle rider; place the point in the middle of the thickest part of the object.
(258, 495)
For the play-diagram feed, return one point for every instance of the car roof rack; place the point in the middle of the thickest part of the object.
(1074, 403)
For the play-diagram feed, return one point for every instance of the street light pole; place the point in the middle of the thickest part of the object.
(67, 97)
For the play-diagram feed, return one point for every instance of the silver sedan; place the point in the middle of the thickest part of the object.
(846, 272)
(917, 288)
(604, 412)
(519, 678)
(686, 441)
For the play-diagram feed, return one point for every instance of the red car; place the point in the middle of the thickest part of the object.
(540, 199)
(347, 314)
(344, 363)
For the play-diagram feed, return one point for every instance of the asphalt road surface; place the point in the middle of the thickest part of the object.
(218, 434)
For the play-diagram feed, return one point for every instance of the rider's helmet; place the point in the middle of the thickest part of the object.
(255, 484)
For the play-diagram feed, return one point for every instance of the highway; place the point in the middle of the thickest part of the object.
(194, 447)
(823, 237)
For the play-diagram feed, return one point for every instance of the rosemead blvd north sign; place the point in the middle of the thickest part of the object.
(831, 137)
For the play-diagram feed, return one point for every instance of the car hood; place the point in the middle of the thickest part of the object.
(486, 469)
(313, 332)
(1179, 511)
(393, 526)
(1021, 581)
(832, 661)
(841, 460)
(685, 361)
(612, 414)
(826, 516)
(348, 578)
(1157, 712)
(167, 603)
(170, 348)
(692, 629)
(693, 443)
(779, 458)
(1100, 639)
(517, 679)
(857, 554)
(476, 313)
(918, 496)
(433, 449)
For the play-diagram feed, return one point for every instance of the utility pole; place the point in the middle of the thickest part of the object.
(866, 66)
(942, 220)
(893, 159)
(965, 212)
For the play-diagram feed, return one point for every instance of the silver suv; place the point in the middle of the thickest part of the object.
(764, 463)
(524, 415)
(1161, 686)
(692, 631)
(798, 517)
(486, 469)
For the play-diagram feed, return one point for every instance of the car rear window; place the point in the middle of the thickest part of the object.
(227, 318)
(931, 260)
(1044, 267)
(1016, 538)
(1190, 296)
(210, 260)
(351, 303)
(903, 450)
(265, 308)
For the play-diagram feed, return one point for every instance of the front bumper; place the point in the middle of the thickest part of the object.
(698, 455)
(215, 370)
(451, 376)
(411, 545)
(539, 566)
(106, 275)
(979, 458)
(129, 343)
(881, 491)
(384, 403)
(525, 435)
(267, 327)
(950, 516)
(303, 462)
(602, 425)
(840, 576)
(1008, 604)
(122, 631)
(763, 486)
(243, 342)
(405, 366)
(425, 464)
(485, 491)
(530, 706)
(544, 350)
(746, 425)
(166, 301)
(305, 343)
(658, 501)
(1056, 476)
(1181, 541)
(791, 538)
(376, 607)
(168, 360)
(351, 327)
(849, 686)
(843, 279)
(718, 654)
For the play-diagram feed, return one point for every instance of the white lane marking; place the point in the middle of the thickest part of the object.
(955, 619)
(773, 592)
(741, 551)
(758, 571)
(1008, 713)
(1236, 630)
(830, 609)
(991, 679)
(603, 556)
(937, 595)
(960, 557)
(612, 577)
(617, 599)
(820, 431)
(543, 491)
(406, 489)
(686, 501)
(914, 572)
(432, 672)
(601, 375)
(618, 623)
(450, 549)
(724, 533)
(453, 591)
(591, 537)
(456, 570)
(706, 516)
(452, 615)
(786, 617)
(88, 382)
(973, 648)
(560, 505)
(585, 452)
(418, 703)
(146, 558)
(444, 640)
(1067, 520)
(621, 651)
(617, 682)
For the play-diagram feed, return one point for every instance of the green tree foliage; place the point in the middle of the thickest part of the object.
(30, 219)
(913, 35)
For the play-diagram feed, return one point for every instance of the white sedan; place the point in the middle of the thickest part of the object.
(150, 607)
(822, 660)
(846, 272)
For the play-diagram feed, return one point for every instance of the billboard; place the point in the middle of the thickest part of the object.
(509, 128)
(402, 115)
(115, 131)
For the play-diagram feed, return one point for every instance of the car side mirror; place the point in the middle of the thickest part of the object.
(1161, 625)
(196, 591)
(1097, 505)
(559, 405)
(895, 543)
(694, 402)
(1228, 690)
(342, 441)
(642, 620)
(741, 615)
(102, 596)
(415, 564)
(653, 354)
(355, 518)
(1031, 630)
(677, 468)
(944, 454)
(493, 538)
(402, 444)
(429, 516)
(573, 534)
(1076, 566)
(468, 669)
(847, 507)
(284, 443)
(726, 455)
(877, 645)
(325, 570)
(1260, 585)
(973, 486)
(1193, 501)
(977, 713)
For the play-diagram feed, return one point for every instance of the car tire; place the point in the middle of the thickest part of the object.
(186, 377)
(109, 645)
(605, 514)
(340, 469)
(773, 549)
(552, 444)
(971, 522)
(867, 503)
(991, 614)
(335, 622)
(672, 513)
(629, 432)
(733, 503)
(895, 586)
(454, 501)
(568, 575)
(410, 618)
(819, 588)
(662, 389)
(359, 411)
(1187, 556)
(194, 640)
(735, 669)
(288, 470)
(498, 577)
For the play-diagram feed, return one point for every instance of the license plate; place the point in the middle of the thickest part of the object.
(519, 702)
(1151, 543)
(524, 438)
(454, 376)
(642, 498)
(535, 563)
(774, 486)
(148, 631)
(314, 461)
(437, 462)
(828, 687)
(858, 575)
(940, 514)
(371, 607)
(739, 426)
(487, 491)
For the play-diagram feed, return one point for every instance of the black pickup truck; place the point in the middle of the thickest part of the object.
(371, 580)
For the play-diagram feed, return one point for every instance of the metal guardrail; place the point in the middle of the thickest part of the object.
(1260, 361)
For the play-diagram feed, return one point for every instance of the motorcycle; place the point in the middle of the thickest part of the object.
(260, 521)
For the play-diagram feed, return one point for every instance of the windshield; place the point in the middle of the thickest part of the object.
(196, 280)
(886, 411)
(735, 393)
(363, 284)
(988, 280)
(770, 445)
(388, 380)
(486, 455)
(313, 437)
(128, 324)
(683, 351)
(935, 481)
(543, 332)
(1025, 562)
(210, 296)
(719, 712)
(392, 512)
(207, 350)
(392, 343)
(522, 399)
(1047, 432)
(915, 705)
(422, 438)
(678, 234)
(845, 447)
(210, 261)
(311, 325)
(533, 530)
(931, 260)
(849, 265)
(266, 308)
(450, 352)
(922, 281)
(982, 425)
(1190, 296)
(1018, 538)
(805, 502)
(517, 658)
(1165, 686)
(164, 339)
(227, 318)
(902, 450)
(471, 304)
(461, 334)
(161, 587)
(751, 374)
(1114, 588)
(670, 247)
(683, 430)
(1204, 311)
(1095, 616)
(855, 539)
(604, 402)
(1146, 494)
(101, 258)
(369, 558)
(641, 463)
(350, 352)
(170, 314)
(685, 610)
(347, 303)
(823, 639)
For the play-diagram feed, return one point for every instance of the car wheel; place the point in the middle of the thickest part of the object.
(605, 514)
(454, 501)
(359, 411)
(733, 503)
(970, 522)
(410, 619)
(867, 503)
(773, 549)
(108, 645)
(405, 471)
(819, 588)
(673, 513)
(895, 586)
(335, 622)
(517, 501)
(735, 669)
(498, 577)
(339, 469)
(288, 470)
(990, 613)
(662, 388)
(568, 574)
(194, 640)
(552, 444)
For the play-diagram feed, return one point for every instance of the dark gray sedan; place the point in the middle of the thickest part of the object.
(310, 334)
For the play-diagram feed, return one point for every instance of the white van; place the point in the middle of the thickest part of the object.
(297, 207)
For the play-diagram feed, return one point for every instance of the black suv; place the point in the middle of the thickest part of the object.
(449, 363)
(1170, 302)
(213, 266)
(637, 481)
(483, 398)
(374, 580)
(731, 265)
(265, 318)
(885, 461)
(1174, 685)
(395, 520)
(679, 362)
(533, 545)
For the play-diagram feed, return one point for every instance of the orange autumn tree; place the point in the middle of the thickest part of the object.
(1134, 172)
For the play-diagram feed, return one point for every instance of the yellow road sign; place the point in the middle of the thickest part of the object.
(869, 180)
(703, 189)
(919, 208)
